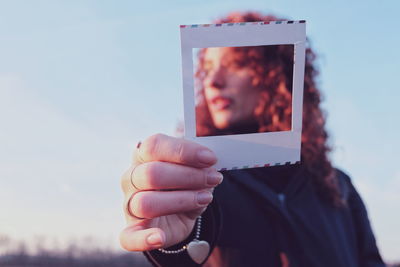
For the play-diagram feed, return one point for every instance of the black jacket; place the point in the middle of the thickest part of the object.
(250, 224)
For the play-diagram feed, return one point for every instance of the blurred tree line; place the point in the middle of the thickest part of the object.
(81, 253)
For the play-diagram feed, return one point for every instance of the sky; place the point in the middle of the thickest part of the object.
(81, 82)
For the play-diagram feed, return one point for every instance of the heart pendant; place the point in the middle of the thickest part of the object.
(198, 250)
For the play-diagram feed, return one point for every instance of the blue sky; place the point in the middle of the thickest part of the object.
(82, 81)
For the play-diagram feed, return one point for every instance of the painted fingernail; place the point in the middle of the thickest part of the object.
(155, 239)
(204, 197)
(138, 145)
(214, 178)
(206, 157)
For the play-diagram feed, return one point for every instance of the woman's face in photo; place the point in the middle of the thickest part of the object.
(230, 95)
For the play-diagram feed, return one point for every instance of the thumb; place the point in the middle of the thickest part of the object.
(136, 238)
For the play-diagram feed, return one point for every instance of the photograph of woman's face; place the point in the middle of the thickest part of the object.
(234, 90)
(231, 97)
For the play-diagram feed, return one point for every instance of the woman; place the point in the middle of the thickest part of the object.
(307, 214)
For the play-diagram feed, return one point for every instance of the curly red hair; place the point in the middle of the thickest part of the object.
(275, 75)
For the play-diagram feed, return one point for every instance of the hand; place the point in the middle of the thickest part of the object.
(168, 186)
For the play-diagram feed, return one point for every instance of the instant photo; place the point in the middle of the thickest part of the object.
(236, 101)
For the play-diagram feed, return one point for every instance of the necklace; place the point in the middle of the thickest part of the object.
(197, 249)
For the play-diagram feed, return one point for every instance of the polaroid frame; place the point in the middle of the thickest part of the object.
(252, 150)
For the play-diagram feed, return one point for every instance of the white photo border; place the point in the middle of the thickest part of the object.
(242, 151)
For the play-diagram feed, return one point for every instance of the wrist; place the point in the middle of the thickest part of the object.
(210, 227)
(197, 249)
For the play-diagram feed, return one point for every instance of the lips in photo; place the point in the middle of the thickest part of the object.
(221, 102)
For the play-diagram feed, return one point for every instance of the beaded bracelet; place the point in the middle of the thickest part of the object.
(197, 249)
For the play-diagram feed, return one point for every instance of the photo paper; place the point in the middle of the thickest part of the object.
(238, 101)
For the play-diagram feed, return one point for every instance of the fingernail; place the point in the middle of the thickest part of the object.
(214, 178)
(204, 197)
(206, 157)
(155, 239)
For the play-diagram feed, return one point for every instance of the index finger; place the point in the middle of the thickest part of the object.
(160, 147)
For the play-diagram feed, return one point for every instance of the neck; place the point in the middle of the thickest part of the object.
(240, 129)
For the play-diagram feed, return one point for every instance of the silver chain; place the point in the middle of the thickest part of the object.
(196, 237)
